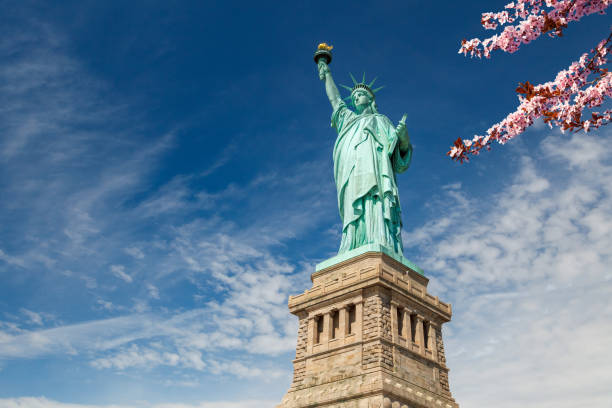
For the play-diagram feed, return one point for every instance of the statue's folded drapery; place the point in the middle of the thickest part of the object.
(366, 158)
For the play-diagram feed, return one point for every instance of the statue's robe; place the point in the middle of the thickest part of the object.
(366, 158)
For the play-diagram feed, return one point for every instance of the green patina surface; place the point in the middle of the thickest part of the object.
(364, 249)
(368, 154)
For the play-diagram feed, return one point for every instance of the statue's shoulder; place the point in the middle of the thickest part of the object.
(342, 107)
(383, 118)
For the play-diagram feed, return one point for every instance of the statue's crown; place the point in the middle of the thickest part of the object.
(362, 86)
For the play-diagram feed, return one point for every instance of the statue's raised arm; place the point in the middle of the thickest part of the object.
(323, 57)
(330, 86)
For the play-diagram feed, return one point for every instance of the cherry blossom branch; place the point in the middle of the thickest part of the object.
(553, 102)
(536, 18)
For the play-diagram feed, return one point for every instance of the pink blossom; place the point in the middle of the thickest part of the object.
(534, 20)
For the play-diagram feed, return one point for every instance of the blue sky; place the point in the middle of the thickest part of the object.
(166, 182)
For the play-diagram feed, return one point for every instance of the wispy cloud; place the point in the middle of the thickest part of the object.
(96, 335)
(240, 370)
(135, 252)
(248, 313)
(34, 317)
(41, 402)
(11, 259)
(139, 357)
(153, 291)
(224, 158)
(119, 271)
(89, 149)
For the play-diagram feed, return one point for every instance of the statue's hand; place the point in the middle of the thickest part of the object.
(323, 69)
(402, 133)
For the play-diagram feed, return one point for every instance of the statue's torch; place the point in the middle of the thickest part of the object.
(323, 53)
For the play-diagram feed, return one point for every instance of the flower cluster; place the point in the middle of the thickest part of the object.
(584, 80)
(535, 18)
(585, 84)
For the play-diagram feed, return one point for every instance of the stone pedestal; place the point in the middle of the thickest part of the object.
(369, 337)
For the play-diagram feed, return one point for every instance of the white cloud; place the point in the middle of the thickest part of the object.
(153, 291)
(106, 304)
(35, 318)
(135, 356)
(186, 333)
(173, 197)
(90, 282)
(119, 271)
(237, 369)
(8, 330)
(11, 259)
(97, 335)
(42, 402)
(135, 252)
(223, 404)
(533, 348)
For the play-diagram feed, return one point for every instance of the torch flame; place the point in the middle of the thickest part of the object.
(324, 46)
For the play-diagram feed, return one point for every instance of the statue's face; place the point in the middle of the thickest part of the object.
(361, 99)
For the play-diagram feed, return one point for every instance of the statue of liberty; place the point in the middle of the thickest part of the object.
(369, 151)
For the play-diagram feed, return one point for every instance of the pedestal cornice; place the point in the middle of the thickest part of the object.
(373, 268)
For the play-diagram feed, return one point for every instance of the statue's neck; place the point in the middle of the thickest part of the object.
(368, 110)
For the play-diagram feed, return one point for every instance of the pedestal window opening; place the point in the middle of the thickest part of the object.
(401, 330)
(413, 327)
(335, 329)
(352, 319)
(319, 329)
